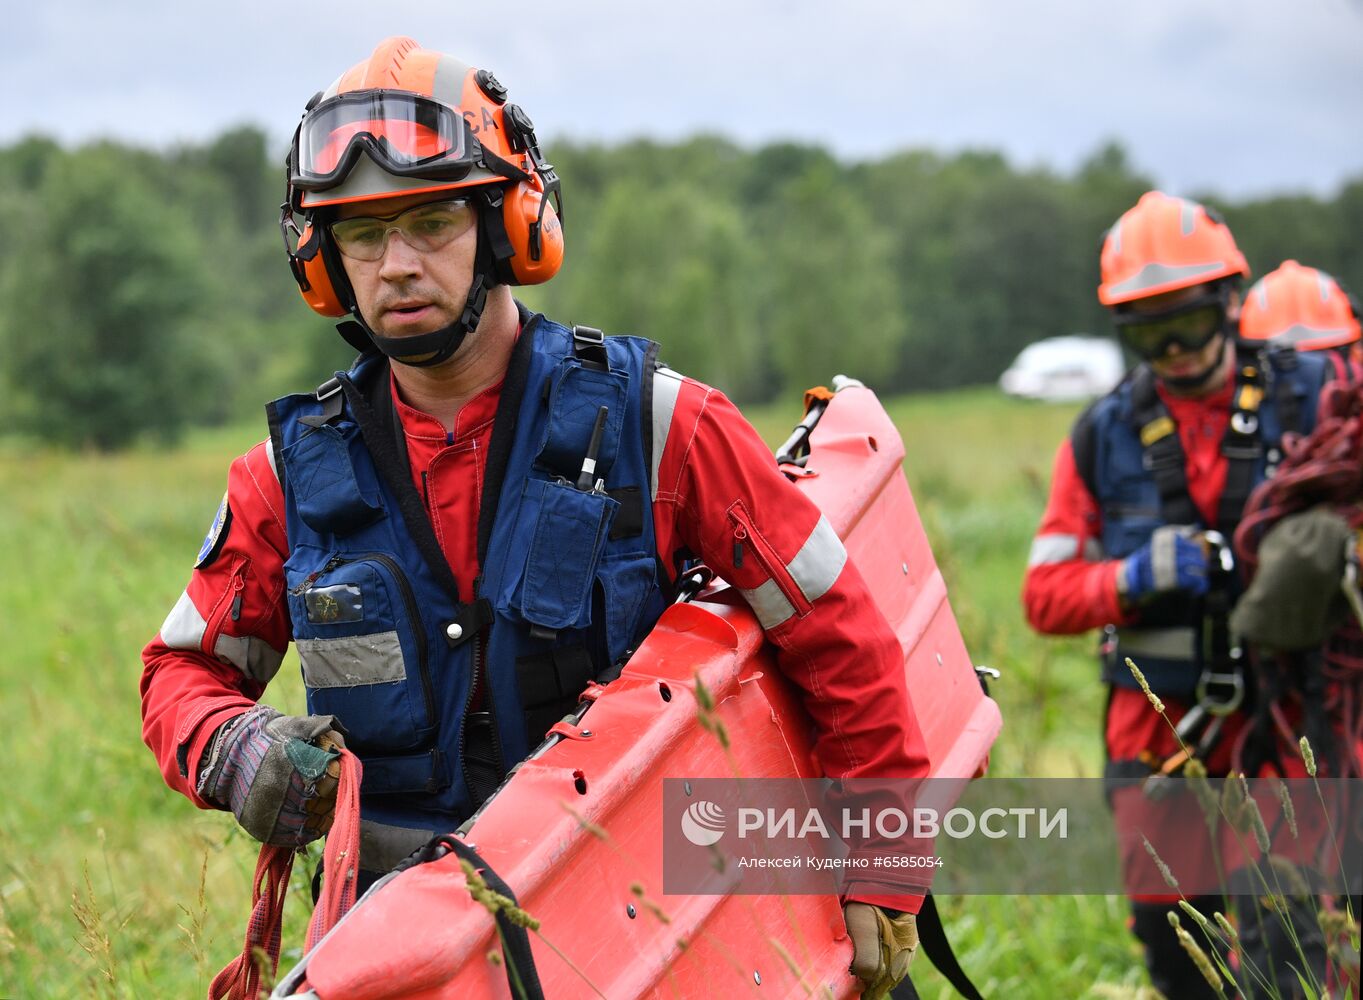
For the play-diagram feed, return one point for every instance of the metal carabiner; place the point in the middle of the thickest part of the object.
(1223, 705)
(1219, 549)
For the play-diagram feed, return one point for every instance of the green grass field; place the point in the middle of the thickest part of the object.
(113, 886)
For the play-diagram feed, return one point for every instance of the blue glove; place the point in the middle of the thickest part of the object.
(1170, 561)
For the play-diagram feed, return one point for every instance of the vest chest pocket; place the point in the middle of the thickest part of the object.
(322, 476)
(362, 645)
(1131, 512)
(562, 531)
(576, 394)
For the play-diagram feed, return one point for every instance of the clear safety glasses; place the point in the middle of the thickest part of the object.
(1191, 326)
(425, 227)
(408, 135)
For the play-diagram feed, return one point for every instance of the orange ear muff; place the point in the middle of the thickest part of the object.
(310, 271)
(535, 231)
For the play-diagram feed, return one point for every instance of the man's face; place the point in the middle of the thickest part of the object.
(409, 291)
(1179, 363)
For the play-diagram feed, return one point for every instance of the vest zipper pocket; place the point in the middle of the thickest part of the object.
(410, 605)
(747, 539)
(418, 630)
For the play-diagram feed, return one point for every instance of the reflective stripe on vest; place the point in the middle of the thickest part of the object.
(1177, 643)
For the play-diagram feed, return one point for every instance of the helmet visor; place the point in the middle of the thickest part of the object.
(406, 134)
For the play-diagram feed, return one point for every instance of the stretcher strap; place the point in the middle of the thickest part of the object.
(240, 979)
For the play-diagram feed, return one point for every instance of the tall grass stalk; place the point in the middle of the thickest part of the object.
(1242, 815)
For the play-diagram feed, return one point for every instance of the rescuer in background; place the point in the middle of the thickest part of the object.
(486, 513)
(1145, 496)
(1305, 308)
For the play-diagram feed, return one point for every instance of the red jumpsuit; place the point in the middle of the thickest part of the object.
(1071, 587)
(835, 646)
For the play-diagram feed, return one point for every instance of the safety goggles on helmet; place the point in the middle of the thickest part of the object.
(1190, 325)
(424, 227)
(406, 134)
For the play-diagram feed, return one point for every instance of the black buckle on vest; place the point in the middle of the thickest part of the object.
(327, 389)
(329, 395)
(589, 344)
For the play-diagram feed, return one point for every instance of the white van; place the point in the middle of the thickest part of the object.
(1065, 368)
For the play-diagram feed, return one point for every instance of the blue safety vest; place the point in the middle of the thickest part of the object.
(570, 580)
(1127, 451)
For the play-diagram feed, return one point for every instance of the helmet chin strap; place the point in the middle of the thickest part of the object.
(427, 349)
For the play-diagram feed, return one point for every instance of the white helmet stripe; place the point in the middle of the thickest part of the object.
(1157, 275)
(1187, 217)
(1299, 332)
(1323, 285)
(448, 85)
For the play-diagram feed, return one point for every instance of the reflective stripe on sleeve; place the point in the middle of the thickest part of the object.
(816, 566)
(1047, 549)
(666, 386)
(253, 656)
(768, 603)
(184, 628)
(814, 570)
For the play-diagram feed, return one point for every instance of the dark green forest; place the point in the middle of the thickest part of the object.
(145, 291)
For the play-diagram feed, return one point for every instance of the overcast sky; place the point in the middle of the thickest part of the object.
(1240, 96)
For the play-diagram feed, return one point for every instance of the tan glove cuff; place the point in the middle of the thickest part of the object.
(882, 946)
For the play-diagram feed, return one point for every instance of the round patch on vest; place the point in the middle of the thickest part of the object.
(217, 534)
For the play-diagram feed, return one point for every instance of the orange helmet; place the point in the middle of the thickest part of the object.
(1300, 306)
(1163, 244)
(408, 120)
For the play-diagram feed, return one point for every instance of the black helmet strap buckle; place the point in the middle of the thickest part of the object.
(427, 349)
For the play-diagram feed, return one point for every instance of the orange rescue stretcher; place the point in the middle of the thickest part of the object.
(576, 829)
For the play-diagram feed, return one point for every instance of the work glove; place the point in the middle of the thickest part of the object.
(277, 773)
(1171, 561)
(882, 947)
(1296, 600)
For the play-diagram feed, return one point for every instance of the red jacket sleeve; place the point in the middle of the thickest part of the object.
(721, 494)
(224, 639)
(1070, 586)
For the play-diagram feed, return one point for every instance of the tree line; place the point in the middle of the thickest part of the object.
(145, 291)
